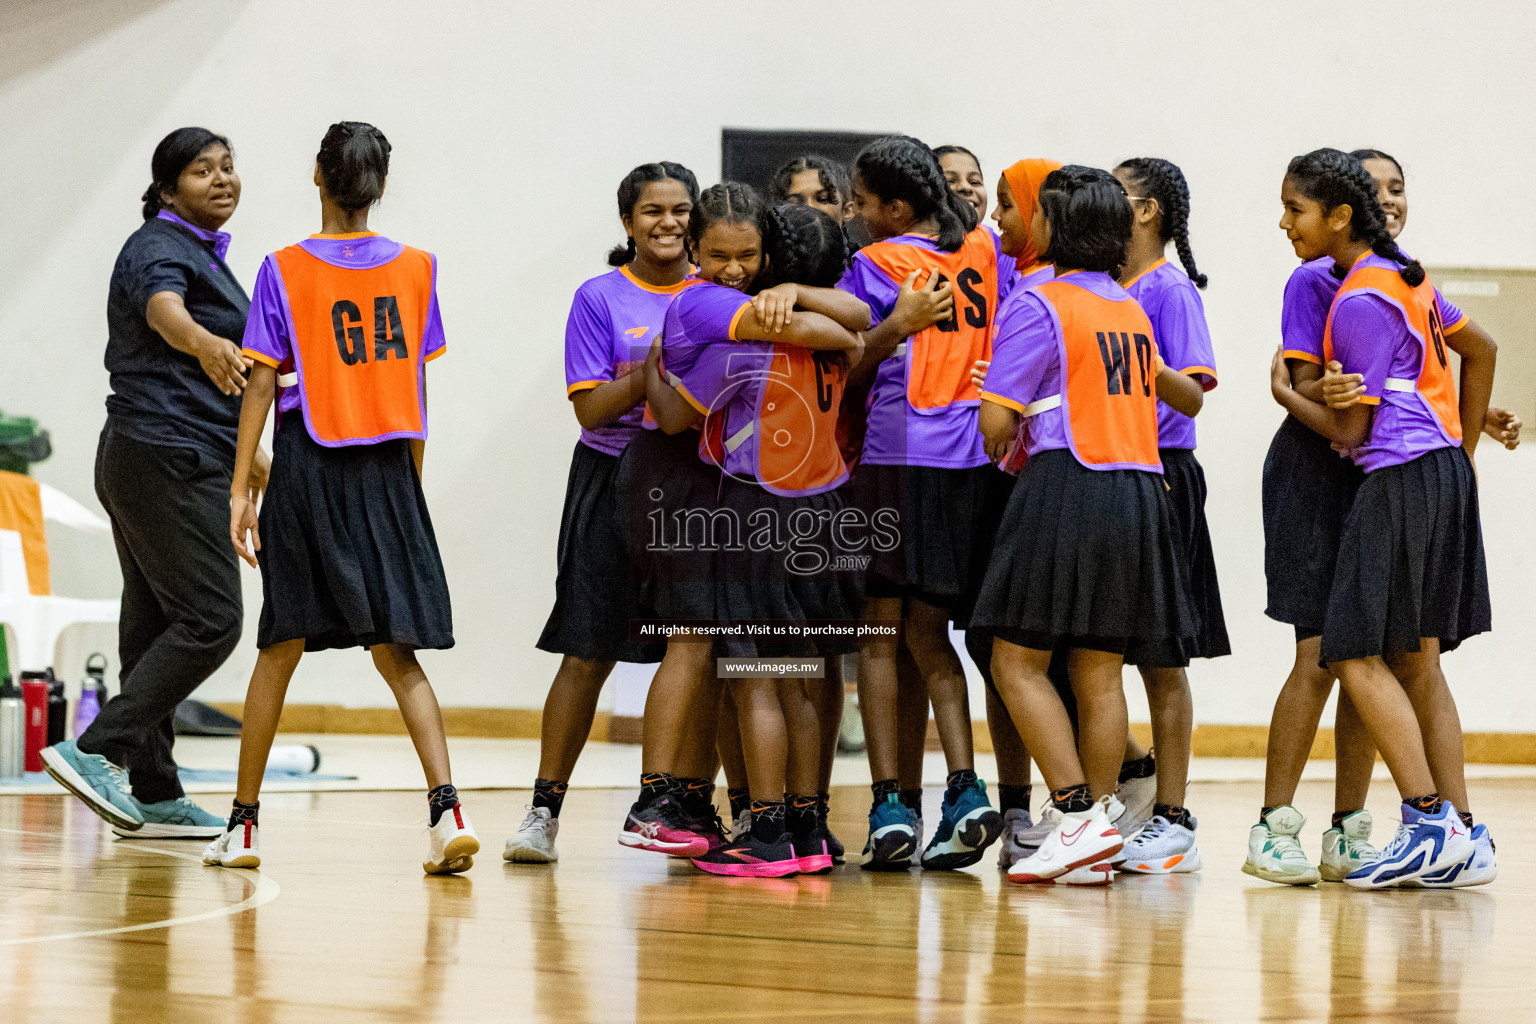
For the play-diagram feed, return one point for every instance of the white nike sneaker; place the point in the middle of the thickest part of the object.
(1138, 796)
(1161, 848)
(1346, 848)
(1097, 873)
(235, 849)
(1480, 868)
(742, 825)
(454, 844)
(1081, 838)
(1425, 844)
(1274, 852)
(535, 839)
(1016, 824)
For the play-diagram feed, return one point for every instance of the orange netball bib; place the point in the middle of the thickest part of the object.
(357, 342)
(1109, 361)
(1435, 385)
(939, 358)
(797, 437)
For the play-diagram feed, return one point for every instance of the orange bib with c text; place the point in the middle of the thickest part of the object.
(1436, 385)
(1109, 361)
(357, 341)
(939, 358)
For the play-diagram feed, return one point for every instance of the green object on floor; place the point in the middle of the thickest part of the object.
(22, 443)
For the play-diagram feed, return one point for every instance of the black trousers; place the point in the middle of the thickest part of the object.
(181, 613)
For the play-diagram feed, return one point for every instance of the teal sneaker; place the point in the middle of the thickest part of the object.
(892, 836)
(100, 783)
(173, 819)
(968, 824)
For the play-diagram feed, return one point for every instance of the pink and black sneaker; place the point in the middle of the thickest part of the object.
(663, 828)
(751, 857)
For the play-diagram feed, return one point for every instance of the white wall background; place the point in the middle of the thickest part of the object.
(512, 123)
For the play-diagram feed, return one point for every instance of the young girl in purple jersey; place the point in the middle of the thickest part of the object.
(922, 458)
(1308, 489)
(1410, 579)
(614, 319)
(1170, 297)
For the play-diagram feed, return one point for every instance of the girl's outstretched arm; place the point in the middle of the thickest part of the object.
(254, 406)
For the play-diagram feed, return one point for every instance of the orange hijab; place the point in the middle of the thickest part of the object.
(1024, 180)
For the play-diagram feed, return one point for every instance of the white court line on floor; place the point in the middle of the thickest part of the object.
(265, 891)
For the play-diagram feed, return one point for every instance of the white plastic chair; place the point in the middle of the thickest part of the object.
(37, 621)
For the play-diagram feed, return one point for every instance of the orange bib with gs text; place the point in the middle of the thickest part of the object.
(939, 358)
(357, 343)
(1109, 362)
(1435, 385)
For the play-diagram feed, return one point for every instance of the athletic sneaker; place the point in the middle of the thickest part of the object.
(663, 827)
(711, 828)
(454, 843)
(1425, 844)
(1161, 848)
(824, 833)
(100, 783)
(1138, 796)
(968, 824)
(1274, 852)
(1480, 868)
(1079, 839)
(173, 819)
(811, 853)
(743, 823)
(1097, 873)
(534, 842)
(893, 832)
(1016, 822)
(238, 848)
(750, 857)
(1346, 849)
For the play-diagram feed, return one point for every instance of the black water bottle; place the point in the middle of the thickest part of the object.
(58, 709)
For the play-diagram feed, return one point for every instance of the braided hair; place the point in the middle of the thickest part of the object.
(732, 202)
(900, 167)
(1333, 178)
(808, 247)
(172, 156)
(630, 189)
(354, 161)
(1163, 181)
(1090, 219)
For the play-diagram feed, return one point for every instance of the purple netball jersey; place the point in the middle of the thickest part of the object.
(614, 319)
(1304, 311)
(1172, 302)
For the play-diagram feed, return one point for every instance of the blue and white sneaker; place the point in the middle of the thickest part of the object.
(102, 785)
(173, 819)
(1479, 869)
(1425, 844)
(892, 836)
(968, 824)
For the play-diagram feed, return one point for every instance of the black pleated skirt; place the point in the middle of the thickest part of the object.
(595, 594)
(1411, 561)
(1192, 542)
(348, 557)
(997, 489)
(942, 520)
(787, 567)
(666, 495)
(1084, 554)
(1308, 492)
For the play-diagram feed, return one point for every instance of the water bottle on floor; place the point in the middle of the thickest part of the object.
(93, 693)
(58, 710)
(13, 739)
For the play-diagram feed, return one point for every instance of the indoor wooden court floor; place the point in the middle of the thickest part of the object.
(341, 926)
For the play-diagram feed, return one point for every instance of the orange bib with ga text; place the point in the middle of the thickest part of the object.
(1109, 363)
(357, 340)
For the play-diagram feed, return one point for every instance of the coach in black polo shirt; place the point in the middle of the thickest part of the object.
(175, 317)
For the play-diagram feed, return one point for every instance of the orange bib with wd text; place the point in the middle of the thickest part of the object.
(1109, 362)
(939, 358)
(1435, 386)
(357, 337)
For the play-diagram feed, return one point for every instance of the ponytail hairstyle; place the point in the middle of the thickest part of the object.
(1090, 219)
(354, 161)
(1163, 181)
(172, 156)
(732, 202)
(807, 247)
(900, 167)
(1333, 178)
(630, 189)
(833, 176)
